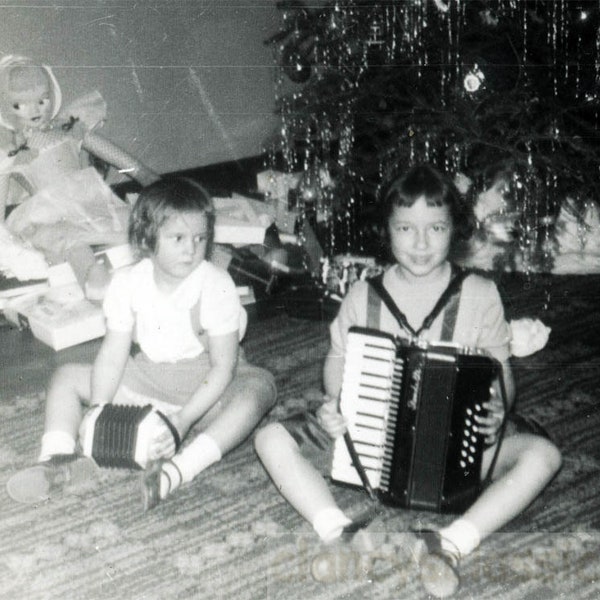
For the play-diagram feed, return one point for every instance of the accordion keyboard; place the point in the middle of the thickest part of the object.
(368, 385)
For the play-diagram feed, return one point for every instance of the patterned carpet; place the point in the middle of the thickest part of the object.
(230, 535)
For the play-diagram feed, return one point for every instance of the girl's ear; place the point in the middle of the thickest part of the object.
(377, 240)
(139, 240)
(146, 245)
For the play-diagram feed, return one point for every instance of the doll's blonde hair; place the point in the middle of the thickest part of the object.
(14, 61)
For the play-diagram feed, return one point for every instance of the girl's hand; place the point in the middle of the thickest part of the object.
(162, 444)
(490, 424)
(331, 419)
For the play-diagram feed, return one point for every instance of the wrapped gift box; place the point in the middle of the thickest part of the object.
(116, 257)
(245, 268)
(11, 287)
(240, 220)
(58, 318)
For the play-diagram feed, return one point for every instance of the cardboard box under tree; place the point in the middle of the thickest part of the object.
(57, 324)
(240, 220)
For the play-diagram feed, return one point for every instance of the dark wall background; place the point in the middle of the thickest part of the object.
(187, 82)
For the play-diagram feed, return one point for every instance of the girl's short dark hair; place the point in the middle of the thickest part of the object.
(159, 201)
(438, 190)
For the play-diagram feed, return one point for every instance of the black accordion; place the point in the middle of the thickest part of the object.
(118, 435)
(411, 409)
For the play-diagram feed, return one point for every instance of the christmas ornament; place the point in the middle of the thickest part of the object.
(310, 190)
(442, 6)
(474, 79)
(295, 65)
(489, 18)
(374, 44)
(375, 35)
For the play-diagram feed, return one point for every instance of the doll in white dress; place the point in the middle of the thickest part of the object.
(50, 195)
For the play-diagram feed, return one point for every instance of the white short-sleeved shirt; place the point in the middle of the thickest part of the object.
(480, 321)
(162, 323)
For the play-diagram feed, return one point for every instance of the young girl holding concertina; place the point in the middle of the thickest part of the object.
(186, 317)
(426, 221)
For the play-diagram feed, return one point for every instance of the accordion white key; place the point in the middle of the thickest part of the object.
(118, 436)
(411, 412)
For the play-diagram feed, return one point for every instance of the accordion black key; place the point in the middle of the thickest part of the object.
(118, 436)
(411, 410)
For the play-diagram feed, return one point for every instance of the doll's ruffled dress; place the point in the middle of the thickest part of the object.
(573, 245)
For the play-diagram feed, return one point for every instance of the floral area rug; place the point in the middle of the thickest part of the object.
(229, 534)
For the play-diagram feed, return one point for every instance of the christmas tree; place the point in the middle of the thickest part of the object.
(366, 89)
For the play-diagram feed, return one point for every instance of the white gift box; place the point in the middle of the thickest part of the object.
(60, 318)
(276, 183)
(240, 220)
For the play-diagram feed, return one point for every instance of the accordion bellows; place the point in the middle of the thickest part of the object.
(118, 436)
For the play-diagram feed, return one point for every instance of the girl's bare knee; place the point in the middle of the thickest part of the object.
(262, 438)
(553, 457)
(545, 457)
(269, 394)
(270, 438)
(260, 385)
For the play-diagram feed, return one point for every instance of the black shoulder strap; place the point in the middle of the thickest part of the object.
(450, 313)
(377, 284)
(458, 276)
(373, 308)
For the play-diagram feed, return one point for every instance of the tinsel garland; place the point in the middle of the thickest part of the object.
(365, 89)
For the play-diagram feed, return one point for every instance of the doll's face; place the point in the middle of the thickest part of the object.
(29, 102)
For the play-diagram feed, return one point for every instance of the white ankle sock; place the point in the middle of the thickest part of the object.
(197, 456)
(329, 523)
(56, 442)
(460, 535)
